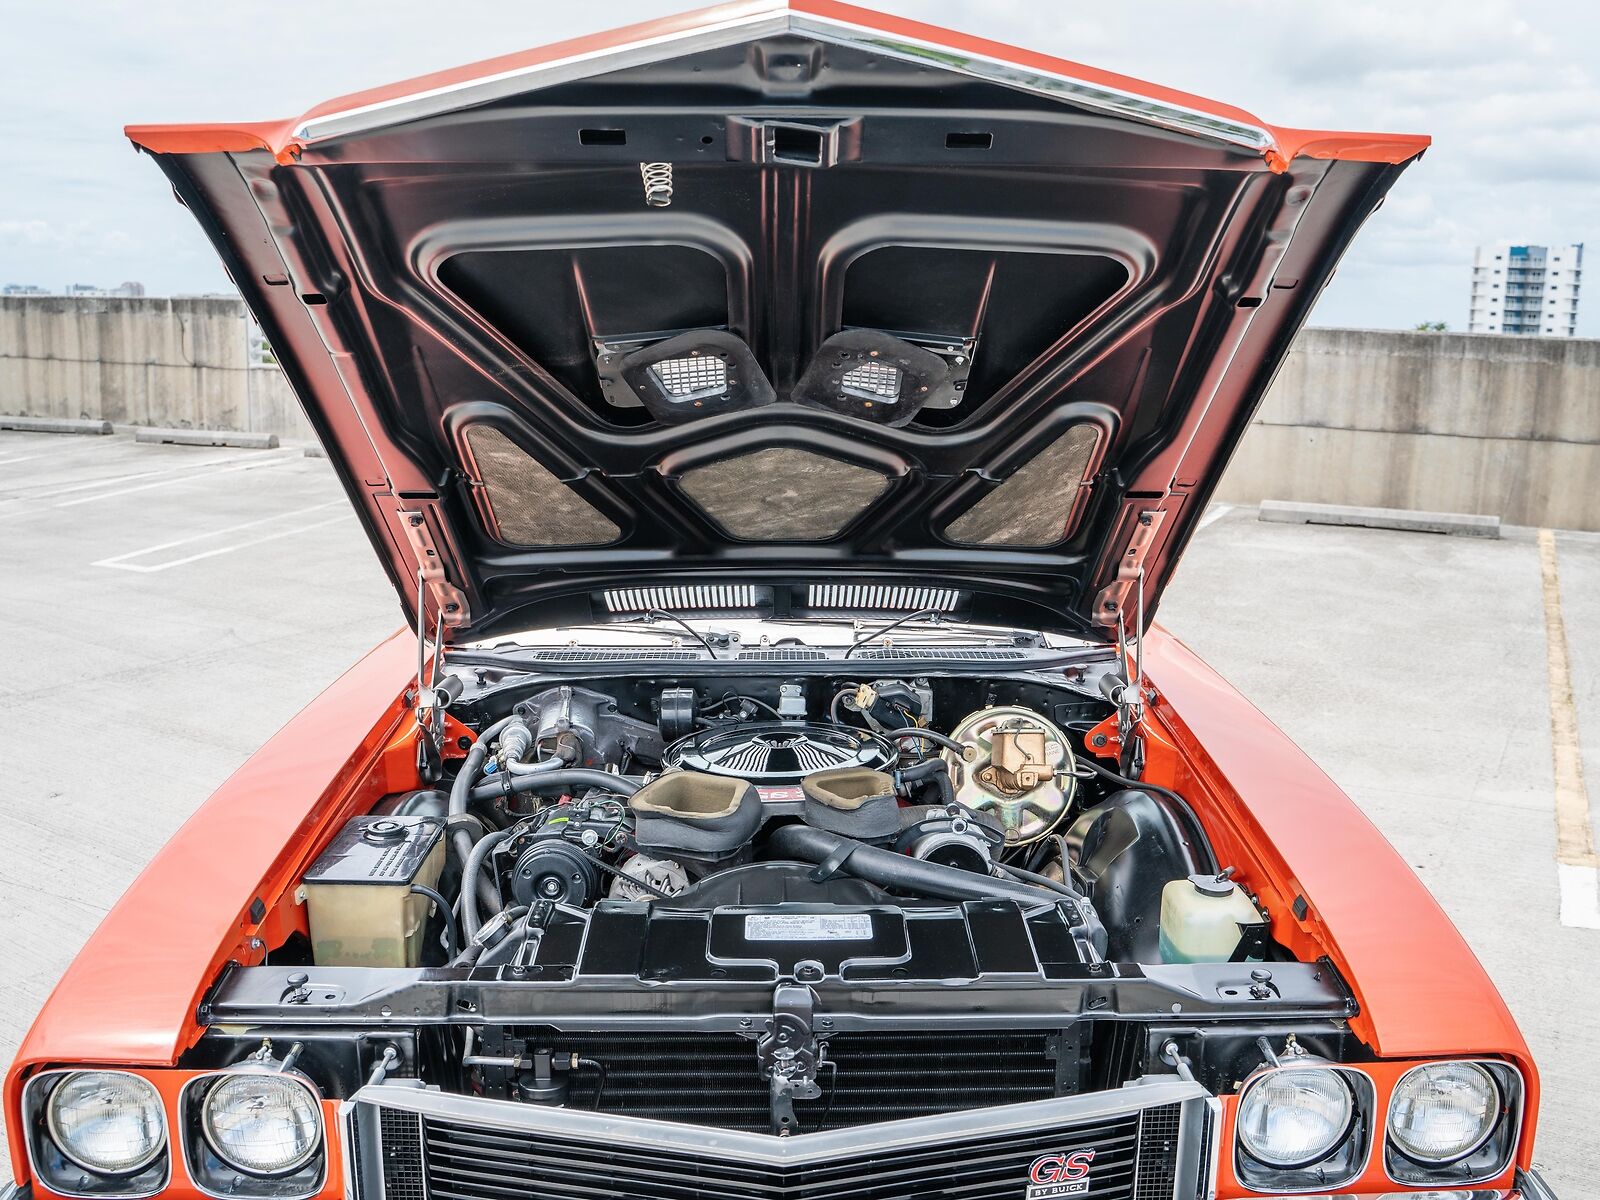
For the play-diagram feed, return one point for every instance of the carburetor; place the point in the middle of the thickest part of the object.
(1022, 771)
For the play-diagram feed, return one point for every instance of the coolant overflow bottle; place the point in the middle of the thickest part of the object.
(1201, 918)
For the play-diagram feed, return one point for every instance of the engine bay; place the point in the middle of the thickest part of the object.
(577, 809)
(777, 903)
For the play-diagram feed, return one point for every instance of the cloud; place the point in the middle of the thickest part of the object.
(1508, 88)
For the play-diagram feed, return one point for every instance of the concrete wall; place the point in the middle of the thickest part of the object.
(1505, 426)
(148, 361)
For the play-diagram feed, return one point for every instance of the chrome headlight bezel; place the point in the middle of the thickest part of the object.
(1346, 1157)
(62, 1172)
(218, 1176)
(1489, 1158)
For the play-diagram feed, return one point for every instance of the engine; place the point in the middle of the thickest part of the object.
(699, 880)
(847, 796)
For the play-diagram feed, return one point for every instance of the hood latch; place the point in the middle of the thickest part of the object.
(790, 1056)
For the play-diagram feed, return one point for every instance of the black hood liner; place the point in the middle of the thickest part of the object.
(466, 304)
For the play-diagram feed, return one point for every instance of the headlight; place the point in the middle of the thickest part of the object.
(1442, 1112)
(260, 1123)
(1295, 1116)
(106, 1122)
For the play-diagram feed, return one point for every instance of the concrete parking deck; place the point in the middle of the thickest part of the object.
(166, 608)
(1412, 667)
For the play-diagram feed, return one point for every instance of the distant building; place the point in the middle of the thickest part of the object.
(1526, 289)
(129, 290)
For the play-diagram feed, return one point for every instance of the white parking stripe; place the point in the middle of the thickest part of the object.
(54, 452)
(32, 493)
(122, 562)
(257, 464)
(1216, 513)
(1576, 861)
(1580, 896)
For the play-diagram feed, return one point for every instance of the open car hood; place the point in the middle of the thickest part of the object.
(778, 309)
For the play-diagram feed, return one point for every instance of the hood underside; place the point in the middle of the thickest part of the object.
(782, 310)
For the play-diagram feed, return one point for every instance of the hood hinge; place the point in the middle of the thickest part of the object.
(449, 602)
(1111, 608)
(1111, 605)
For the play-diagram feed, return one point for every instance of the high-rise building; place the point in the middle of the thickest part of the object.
(1526, 289)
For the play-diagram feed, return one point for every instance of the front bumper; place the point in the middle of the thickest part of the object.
(1530, 1185)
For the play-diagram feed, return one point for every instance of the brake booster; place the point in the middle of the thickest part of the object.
(1022, 770)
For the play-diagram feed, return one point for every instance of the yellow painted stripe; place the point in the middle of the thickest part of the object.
(1574, 834)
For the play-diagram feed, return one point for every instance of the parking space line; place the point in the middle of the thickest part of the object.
(57, 451)
(1580, 896)
(257, 464)
(1577, 866)
(169, 479)
(1216, 513)
(28, 494)
(122, 562)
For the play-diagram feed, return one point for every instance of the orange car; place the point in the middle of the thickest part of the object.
(779, 424)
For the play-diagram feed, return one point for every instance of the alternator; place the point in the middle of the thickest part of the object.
(1022, 771)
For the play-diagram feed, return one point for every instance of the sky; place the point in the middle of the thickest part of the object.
(1510, 92)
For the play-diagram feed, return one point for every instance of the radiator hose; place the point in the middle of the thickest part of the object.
(460, 791)
(471, 874)
(556, 780)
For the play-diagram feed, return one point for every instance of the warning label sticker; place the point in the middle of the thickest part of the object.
(808, 927)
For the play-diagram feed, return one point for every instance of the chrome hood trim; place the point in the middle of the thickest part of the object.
(778, 19)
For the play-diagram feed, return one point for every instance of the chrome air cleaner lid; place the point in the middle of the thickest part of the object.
(777, 754)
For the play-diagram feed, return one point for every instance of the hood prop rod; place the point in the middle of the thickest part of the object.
(1129, 695)
(432, 697)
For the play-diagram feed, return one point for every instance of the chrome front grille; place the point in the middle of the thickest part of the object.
(460, 1160)
(1145, 1141)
